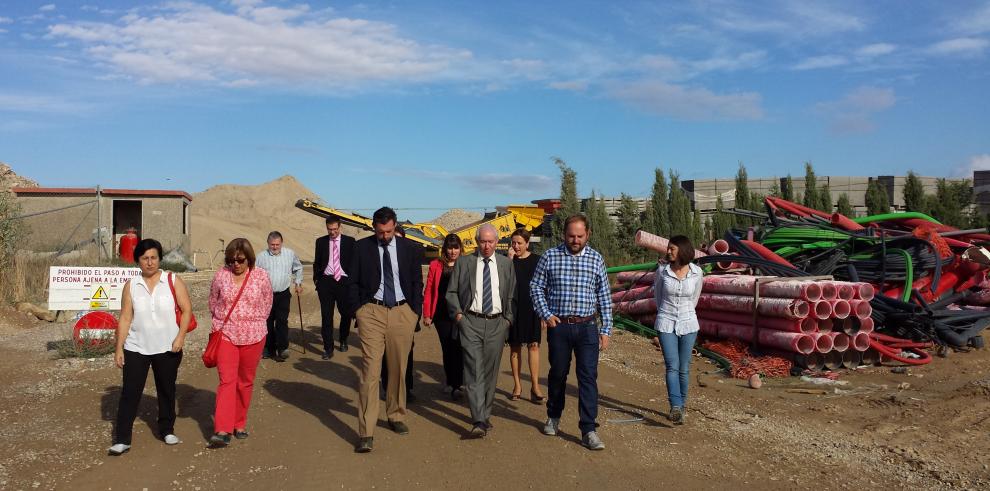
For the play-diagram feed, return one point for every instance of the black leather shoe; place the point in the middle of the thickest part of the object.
(343, 347)
(219, 441)
(364, 445)
(479, 430)
(327, 354)
(399, 427)
(240, 434)
(456, 394)
(410, 398)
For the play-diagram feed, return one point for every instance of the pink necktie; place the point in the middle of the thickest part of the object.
(335, 259)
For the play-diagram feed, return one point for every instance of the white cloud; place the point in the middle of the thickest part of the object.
(789, 18)
(976, 22)
(47, 8)
(6, 20)
(853, 113)
(32, 103)
(263, 44)
(873, 50)
(743, 61)
(976, 162)
(500, 183)
(959, 47)
(572, 85)
(689, 103)
(816, 62)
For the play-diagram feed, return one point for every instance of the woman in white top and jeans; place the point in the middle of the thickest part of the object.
(148, 335)
(677, 287)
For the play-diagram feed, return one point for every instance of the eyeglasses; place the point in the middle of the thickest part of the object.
(238, 260)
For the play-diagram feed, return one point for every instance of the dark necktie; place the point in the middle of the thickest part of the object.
(486, 285)
(388, 290)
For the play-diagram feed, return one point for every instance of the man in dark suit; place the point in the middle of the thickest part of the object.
(481, 298)
(387, 280)
(331, 266)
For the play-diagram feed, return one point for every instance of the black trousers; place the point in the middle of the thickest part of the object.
(453, 354)
(333, 294)
(409, 370)
(165, 367)
(278, 323)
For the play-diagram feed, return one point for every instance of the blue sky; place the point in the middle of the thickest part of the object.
(434, 104)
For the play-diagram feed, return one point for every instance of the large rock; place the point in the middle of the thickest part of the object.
(10, 179)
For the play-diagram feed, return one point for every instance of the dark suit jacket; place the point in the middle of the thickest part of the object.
(460, 290)
(366, 276)
(322, 256)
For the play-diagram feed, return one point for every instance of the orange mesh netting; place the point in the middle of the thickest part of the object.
(927, 232)
(744, 364)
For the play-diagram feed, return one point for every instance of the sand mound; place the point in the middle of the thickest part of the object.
(228, 211)
(456, 218)
(10, 179)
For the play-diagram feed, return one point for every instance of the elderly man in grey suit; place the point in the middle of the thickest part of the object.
(481, 298)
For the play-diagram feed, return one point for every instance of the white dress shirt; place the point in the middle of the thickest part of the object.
(478, 302)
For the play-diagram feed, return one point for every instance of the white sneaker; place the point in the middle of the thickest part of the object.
(118, 449)
(550, 428)
(171, 439)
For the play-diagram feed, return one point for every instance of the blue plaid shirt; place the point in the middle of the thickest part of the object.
(566, 284)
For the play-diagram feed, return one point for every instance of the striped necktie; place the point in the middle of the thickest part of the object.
(486, 284)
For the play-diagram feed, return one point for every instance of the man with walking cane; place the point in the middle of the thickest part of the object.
(284, 270)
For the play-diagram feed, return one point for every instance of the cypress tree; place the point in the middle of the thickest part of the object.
(788, 190)
(811, 199)
(658, 221)
(877, 200)
(680, 208)
(696, 233)
(629, 223)
(742, 196)
(825, 199)
(569, 203)
(844, 207)
(914, 193)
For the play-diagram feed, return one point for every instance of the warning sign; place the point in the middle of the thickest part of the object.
(87, 288)
(100, 294)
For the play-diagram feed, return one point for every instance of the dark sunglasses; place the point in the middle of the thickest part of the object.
(238, 260)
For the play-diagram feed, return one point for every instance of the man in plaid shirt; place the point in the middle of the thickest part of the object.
(568, 287)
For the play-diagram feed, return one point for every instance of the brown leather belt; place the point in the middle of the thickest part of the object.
(485, 316)
(573, 319)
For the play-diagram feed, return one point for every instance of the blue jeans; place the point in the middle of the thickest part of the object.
(677, 358)
(582, 340)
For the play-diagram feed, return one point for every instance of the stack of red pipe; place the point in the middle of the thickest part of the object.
(827, 318)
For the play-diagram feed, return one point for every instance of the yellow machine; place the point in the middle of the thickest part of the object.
(430, 235)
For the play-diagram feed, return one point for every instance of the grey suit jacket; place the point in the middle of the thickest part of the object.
(460, 291)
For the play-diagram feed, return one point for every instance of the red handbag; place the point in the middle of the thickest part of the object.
(178, 312)
(213, 345)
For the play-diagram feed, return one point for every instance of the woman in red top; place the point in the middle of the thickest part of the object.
(435, 312)
(240, 301)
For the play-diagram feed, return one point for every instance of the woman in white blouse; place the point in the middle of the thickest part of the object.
(149, 336)
(677, 287)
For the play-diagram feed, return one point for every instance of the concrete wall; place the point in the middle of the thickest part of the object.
(52, 231)
(161, 219)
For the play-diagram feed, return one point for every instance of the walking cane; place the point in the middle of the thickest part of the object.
(302, 330)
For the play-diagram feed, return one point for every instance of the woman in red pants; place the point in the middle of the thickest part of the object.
(240, 301)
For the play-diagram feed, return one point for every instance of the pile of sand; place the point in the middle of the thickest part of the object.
(457, 218)
(10, 179)
(228, 211)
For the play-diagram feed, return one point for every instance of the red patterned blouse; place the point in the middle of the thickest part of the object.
(247, 324)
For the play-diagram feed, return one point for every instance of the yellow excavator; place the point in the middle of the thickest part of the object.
(505, 219)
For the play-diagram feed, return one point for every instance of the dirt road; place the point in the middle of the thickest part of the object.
(926, 429)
